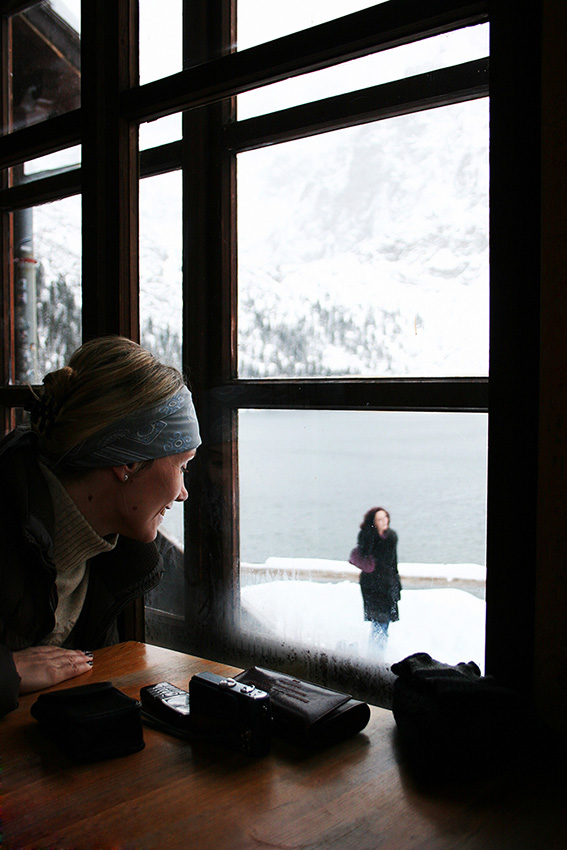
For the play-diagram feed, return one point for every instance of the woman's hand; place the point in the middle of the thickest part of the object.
(42, 666)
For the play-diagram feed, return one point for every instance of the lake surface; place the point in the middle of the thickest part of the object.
(306, 480)
(308, 477)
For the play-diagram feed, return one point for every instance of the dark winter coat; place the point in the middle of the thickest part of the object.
(380, 589)
(28, 594)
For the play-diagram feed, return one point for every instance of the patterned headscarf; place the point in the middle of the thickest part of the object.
(167, 428)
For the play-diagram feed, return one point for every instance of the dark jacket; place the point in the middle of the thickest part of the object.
(28, 594)
(380, 589)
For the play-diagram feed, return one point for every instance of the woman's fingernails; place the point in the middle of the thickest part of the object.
(87, 652)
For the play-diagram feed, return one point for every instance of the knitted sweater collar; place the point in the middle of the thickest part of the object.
(75, 540)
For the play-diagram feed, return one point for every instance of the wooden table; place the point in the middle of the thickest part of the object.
(176, 795)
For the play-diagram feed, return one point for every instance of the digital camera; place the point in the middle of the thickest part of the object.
(231, 712)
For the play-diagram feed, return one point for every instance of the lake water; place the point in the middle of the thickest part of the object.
(307, 478)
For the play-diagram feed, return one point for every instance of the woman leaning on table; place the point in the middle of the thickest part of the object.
(82, 494)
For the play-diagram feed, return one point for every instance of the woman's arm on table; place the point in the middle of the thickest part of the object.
(35, 668)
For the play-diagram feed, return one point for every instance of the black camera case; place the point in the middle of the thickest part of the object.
(91, 722)
(236, 714)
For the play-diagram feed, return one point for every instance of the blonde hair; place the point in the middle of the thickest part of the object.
(106, 379)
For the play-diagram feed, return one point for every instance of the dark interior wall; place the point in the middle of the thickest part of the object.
(551, 590)
(527, 502)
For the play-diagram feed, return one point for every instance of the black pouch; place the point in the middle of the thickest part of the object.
(453, 722)
(305, 713)
(91, 722)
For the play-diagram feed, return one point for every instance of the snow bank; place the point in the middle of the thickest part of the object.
(447, 623)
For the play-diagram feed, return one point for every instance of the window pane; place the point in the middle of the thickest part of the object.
(306, 480)
(419, 57)
(161, 300)
(46, 62)
(364, 251)
(44, 165)
(160, 132)
(259, 21)
(47, 276)
(161, 39)
(161, 306)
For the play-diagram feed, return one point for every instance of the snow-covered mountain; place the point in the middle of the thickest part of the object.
(362, 252)
(365, 251)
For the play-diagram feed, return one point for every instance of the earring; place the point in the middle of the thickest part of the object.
(125, 478)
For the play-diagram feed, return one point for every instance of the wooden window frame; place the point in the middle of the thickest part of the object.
(105, 125)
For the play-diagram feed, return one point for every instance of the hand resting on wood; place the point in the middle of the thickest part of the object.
(43, 666)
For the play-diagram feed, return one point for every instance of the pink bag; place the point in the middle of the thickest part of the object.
(365, 564)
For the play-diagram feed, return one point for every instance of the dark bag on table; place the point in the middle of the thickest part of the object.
(305, 713)
(454, 722)
(91, 722)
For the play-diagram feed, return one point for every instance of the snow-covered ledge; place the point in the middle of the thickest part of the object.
(323, 569)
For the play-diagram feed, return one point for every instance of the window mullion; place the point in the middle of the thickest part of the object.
(225, 74)
(515, 258)
(208, 334)
(6, 270)
(109, 170)
(433, 394)
(42, 190)
(424, 91)
(40, 139)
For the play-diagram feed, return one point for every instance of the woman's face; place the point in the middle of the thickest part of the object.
(149, 493)
(381, 521)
